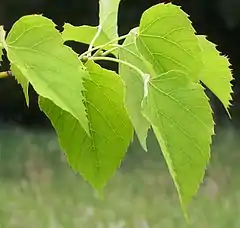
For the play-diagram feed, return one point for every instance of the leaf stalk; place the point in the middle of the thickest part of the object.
(94, 40)
(104, 58)
(110, 43)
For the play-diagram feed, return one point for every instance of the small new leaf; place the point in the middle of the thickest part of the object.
(36, 49)
(181, 117)
(96, 157)
(108, 17)
(168, 41)
(134, 86)
(216, 74)
(83, 34)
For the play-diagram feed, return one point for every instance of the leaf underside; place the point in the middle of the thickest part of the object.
(134, 86)
(108, 17)
(36, 49)
(96, 157)
(84, 34)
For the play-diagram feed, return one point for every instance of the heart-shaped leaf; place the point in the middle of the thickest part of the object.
(36, 51)
(98, 156)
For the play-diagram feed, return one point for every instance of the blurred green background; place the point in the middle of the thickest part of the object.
(38, 189)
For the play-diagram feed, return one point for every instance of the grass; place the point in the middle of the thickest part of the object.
(38, 190)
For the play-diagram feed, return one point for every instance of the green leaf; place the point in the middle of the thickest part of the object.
(181, 117)
(134, 86)
(22, 81)
(98, 156)
(36, 49)
(2, 41)
(168, 41)
(97, 35)
(83, 34)
(108, 17)
(216, 74)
